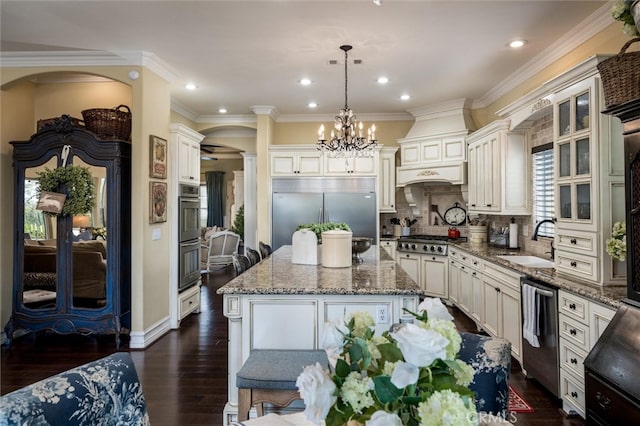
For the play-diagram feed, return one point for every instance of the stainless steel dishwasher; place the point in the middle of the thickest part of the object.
(542, 363)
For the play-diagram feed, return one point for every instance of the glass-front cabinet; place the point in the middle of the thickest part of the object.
(71, 268)
(574, 132)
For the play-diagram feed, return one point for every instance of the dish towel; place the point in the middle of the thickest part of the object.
(530, 315)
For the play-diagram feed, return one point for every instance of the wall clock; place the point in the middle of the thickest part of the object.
(455, 215)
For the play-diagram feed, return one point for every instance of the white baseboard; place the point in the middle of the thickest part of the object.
(142, 339)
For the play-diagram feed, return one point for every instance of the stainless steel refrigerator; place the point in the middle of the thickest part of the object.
(296, 201)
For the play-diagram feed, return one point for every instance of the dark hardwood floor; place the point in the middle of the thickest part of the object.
(184, 374)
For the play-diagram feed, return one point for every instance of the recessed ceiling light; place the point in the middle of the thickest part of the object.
(305, 81)
(312, 105)
(190, 86)
(383, 80)
(517, 43)
(405, 97)
(222, 110)
(377, 2)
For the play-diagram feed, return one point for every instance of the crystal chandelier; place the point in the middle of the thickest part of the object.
(346, 140)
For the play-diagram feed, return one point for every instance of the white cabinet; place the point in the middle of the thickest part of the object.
(296, 163)
(502, 309)
(387, 181)
(589, 174)
(434, 279)
(428, 271)
(358, 166)
(187, 142)
(189, 301)
(466, 283)
(390, 247)
(580, 324)
(498, 171)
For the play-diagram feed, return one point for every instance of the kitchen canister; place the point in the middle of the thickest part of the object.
(336, 249)
(478, 234)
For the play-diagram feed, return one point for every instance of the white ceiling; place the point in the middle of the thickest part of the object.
(243, 54)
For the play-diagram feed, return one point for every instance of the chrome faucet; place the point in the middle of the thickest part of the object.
(534, 237)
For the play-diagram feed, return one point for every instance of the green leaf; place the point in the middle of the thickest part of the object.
(342, 368)
(385, 390)
(390, 352)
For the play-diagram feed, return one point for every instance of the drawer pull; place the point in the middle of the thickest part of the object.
(603, 401)
(573, 331)
(497, 289)
(488, 205)
(573, 241)
(572, 306)
(473, 273)
(574, 361)
(574, 394)
(574, 263)
(475, 263)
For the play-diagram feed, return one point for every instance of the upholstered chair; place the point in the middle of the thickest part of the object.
(490, 358)
(106, 391)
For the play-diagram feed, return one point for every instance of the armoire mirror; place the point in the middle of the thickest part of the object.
(87, 238)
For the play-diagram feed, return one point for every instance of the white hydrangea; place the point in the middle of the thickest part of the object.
(448, 330)
(464, 376)
(356, 391)
(447, 408)
(363, 322)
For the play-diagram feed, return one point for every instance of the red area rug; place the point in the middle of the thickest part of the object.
(517, 404)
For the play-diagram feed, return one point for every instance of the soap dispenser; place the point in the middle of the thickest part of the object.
(513, 234)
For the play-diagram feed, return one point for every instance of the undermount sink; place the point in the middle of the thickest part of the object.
(528, 261)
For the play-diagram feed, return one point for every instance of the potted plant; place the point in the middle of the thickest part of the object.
(319, 228)
(76, 181)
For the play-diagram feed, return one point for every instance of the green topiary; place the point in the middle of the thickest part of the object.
(319, 228)
(238, 222)
(79, 188)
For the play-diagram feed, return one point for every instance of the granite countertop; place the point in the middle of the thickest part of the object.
(609, 295)
(378, 274)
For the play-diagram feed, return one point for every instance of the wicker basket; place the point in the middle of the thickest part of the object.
(621, 76)
(109, 123)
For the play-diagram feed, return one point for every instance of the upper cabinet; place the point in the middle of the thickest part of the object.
(387, 181)
(589, 174)
(293, 161)
(358, 166)
(498, 171)
(188, 142)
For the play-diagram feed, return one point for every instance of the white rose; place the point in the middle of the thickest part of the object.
(404, 374)
(332, 340)
(317, 389)
(382, 418)
(435, 309)
(420, 347)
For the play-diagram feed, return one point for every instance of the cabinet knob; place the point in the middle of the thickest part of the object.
(473, 273)
(408, 256)
(462, 267)
(574, 263)
(488, 205)
(433, 258)
(573, 241)
(603, 401)
(573, 331)
(473, 205)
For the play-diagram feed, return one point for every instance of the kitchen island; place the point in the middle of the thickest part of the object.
(280, 305)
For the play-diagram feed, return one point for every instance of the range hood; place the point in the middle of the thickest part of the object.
(435, 150)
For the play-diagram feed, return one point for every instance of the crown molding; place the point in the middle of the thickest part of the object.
(592, 25)
(88, 58)
(227, 120)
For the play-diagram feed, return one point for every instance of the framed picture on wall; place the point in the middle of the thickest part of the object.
(158, 202)
(157, 157)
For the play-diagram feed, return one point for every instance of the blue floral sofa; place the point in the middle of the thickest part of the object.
(490, 358)
(102, 392)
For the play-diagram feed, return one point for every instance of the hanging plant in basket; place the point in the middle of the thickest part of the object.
(79, 197)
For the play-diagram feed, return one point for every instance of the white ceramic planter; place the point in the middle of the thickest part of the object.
(336, 249)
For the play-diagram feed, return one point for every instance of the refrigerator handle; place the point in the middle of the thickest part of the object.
(320, 215)
(326, 215)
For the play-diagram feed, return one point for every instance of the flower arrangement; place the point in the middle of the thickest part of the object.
(621, 11)
(617, 244)
(406, 376)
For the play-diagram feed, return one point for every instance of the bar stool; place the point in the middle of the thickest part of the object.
(270, 375)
